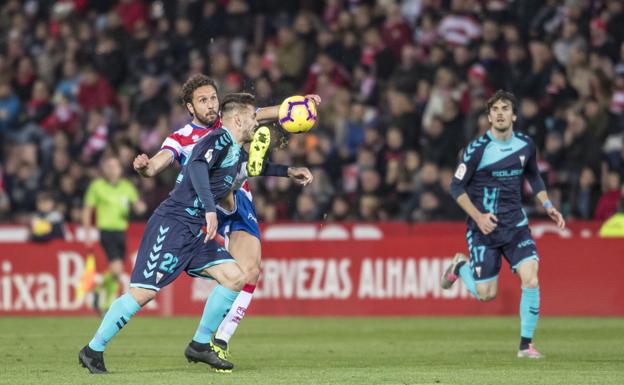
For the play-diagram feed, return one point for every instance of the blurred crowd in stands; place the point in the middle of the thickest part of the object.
(403, 83)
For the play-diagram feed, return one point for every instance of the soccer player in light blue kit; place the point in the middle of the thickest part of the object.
(176, 241)
(487, 185)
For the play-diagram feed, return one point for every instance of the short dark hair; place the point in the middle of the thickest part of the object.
(193, 83)
(237, 100)
(503, 95)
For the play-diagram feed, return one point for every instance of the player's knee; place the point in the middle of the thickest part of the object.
(252, 274)
(142, 296)
(530, 283)
(233, 278)
(486, 294)
(487, 297)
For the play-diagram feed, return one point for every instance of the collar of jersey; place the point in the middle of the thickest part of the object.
(195, 126)
(231, 136)
(497, 141)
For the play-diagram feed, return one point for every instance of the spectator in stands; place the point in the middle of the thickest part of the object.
(94, 75)
(94, 91)
(9, 107)
(47, 222)
(586, 195)
(612, 192)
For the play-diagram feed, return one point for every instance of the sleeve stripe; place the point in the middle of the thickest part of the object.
(176, 154)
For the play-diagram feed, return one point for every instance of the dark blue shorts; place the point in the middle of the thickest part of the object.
(243, 218)
(517, 247)
(169, 247)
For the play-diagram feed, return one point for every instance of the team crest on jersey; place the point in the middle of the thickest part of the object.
(461, 171)
(208, 155)
(522, 159)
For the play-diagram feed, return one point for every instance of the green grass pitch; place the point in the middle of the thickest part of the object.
(321, 351)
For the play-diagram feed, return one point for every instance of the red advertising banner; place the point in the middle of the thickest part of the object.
(338, 269)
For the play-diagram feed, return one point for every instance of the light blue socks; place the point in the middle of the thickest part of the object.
(466, 274)
(529, 311)
(217, 306)
(115, 319)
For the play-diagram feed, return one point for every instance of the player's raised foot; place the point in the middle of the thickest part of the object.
(452, 274)
(257, 150)
(221, 347)
(530, 352)
(207, 353)
(92, 360)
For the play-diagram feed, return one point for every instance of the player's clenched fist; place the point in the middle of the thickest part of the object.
(487, 222)
(141, 163)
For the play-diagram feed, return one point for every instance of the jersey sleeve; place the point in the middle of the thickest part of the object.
(172, 143)
(532, 172)
(274, 169)
(205, 155)
(468, 163)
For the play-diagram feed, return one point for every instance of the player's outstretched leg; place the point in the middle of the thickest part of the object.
(257, 150)
(529, 309)
(119, 314)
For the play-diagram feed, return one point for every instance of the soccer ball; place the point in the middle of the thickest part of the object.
(297, 114)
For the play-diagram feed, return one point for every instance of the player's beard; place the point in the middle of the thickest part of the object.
(207, 120)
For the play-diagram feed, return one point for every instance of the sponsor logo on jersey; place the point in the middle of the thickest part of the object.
(522, 159)
(251, 217)
(507, 173)
(526, 243)
(478, 271)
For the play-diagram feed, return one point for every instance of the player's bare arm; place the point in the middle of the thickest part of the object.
(271, 114)
(487, 222)
(87, 215)
(149, 167)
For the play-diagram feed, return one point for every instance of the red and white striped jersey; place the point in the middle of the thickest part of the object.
(182, 141)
